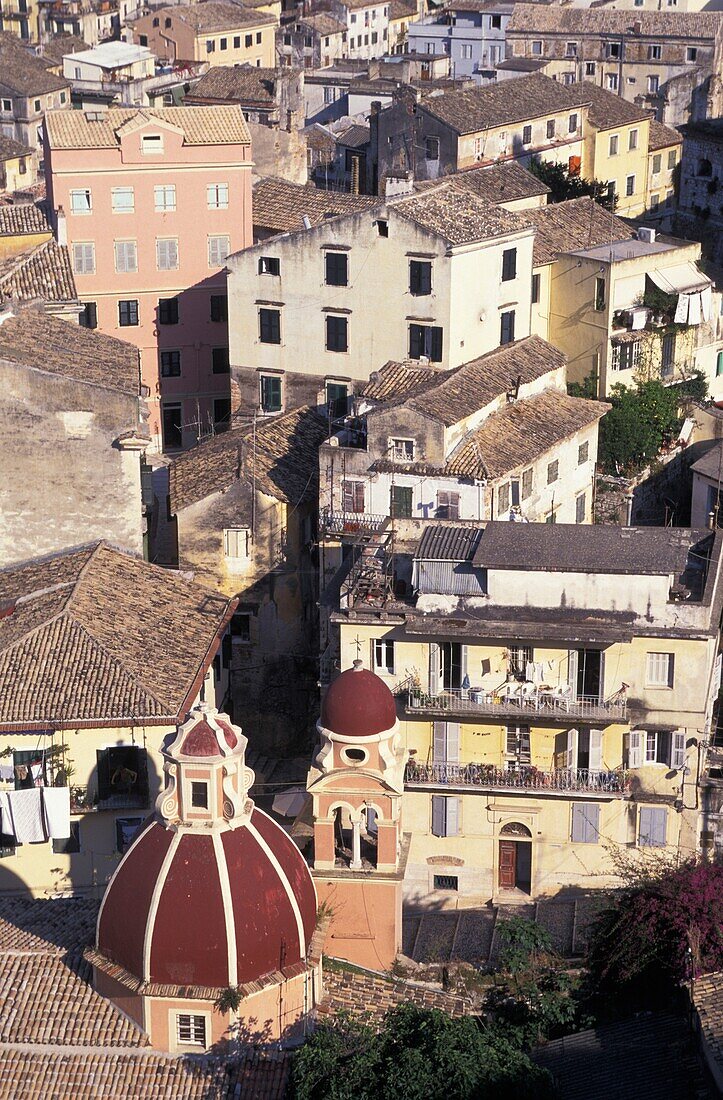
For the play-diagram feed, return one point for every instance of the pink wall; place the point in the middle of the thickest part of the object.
(190, 169)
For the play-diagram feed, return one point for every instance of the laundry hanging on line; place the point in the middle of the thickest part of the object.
(35, 814)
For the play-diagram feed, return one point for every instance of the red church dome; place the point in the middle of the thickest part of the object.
(358, 704)
(216, 910)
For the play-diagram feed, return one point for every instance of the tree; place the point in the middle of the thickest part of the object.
(667, 923)
(636, 426)
(419, 1054)
(564, 186)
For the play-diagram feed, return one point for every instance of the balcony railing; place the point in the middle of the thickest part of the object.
(524, 777)
(351, 523)
(83, 800)
(545, 703)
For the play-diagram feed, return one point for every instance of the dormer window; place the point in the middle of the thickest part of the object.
(152, 144)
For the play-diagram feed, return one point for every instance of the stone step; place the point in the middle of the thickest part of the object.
(473, 938)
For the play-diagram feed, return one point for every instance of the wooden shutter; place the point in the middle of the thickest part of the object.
(452, 734)
(438, 815)
(578, 822)
(436, 345)
(439, 749)
(572, 671)
(635, 748)
(453, 813)
(415, 341)
(677, 752)
(571, 749)
(585, 822)
(435, 671)
(663, 747)
(652, 827)
(103, 766)
(595, 750)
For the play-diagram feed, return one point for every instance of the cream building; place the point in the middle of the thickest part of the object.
(217, 32)
(665, 148)
(545, 738)
(101, 655)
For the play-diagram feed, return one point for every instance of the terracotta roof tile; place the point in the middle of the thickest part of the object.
(501, 183)
(239, 82)
(10, 149)
(577, 223)
(323, 23)
(607, 109)
(41, 273)
(662, 137)
(396, 380)
(365, 994)
(454, 212)
(708, 1000)
(553, 19)
(22, 218)
(280, 205)
(215, 125)
(60, 347)
(77, 645)
(469, 110)
(25, 74)
(214, 15)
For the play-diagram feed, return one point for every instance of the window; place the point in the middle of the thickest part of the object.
(612, 82)
(550, 128)
(270, 393)
(210, 45)
(652, 823)
(633, 140)
(170, 364)
(223, 44)
(655, 53)
(625, 356)
(580, 508)
(384, 656)
(509, 264)
(122, 200)
(445, 816)
(571, 49)
(219, 360)
(336, 269)
(613, 49)
(507, 326)
(352, 497)
(7, 105)
(536, 48)
(568, 78)
(199, 795)
(629, 185)
(152, 144)
(164, 198)
(166, 253)
(221, 413)
(258, 38)
(402, 450)
(527, 477)
(583, 453)
(503, 499)
(122, 775)
(445, 882)
(84, 257)
(71, 844)
(585, 823)
(167, 22)
(218, 249)
(425, 340)
(269, 265)
(37, 105)
(400, 502)
(171, 424)
(337, 333)
(248, 41)
(128, 312)
(89, 316)
(420, 277)
(526, 135)
(691, 54)
(219, 307)
(600, 293)
(126, 258)
(589, 68)
(466, 52)
(656, 747)
(240, 627)
(168, 311)
(517, 739)
(237, 41)
(672, 159)
(81, 202)
(191, 1030)
(653, 84)
(125, 831)
(572, 124)
(660, 670)
(143, 40)
(657, 163)
(431, 148)
(535, 289)
(217, 196)
(613, 145)
(448, 504)
(553, 471)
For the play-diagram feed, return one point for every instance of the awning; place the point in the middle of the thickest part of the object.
(680, 279)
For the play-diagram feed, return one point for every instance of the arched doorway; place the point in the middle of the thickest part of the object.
(515, 858)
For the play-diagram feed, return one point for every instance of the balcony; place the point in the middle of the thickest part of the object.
(552, 705)
(350, 523)
(83, 800)
(525, 777)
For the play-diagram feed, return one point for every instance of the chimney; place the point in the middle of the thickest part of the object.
(711, 521)
(376, 106)
(629, 510)
(306, 221)
(61, 228)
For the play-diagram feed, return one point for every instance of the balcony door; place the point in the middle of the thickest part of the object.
(515, 858)
(585, 673)
(579, 750)
(447, 666)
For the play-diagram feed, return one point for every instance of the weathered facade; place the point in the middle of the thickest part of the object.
(700, 212)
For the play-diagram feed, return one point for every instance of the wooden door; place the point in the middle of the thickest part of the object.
(508, 864)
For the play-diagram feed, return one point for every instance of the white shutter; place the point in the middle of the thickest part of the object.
(84, 258)
(438, 815)
(439, 751)
(435, 671)
(677, 750)
(452, 731)
(635, 748)
(167, 254)
(452, 806)
(464, 652)
(572, 671)
(571, 749)
(595, 750)
(602, 677)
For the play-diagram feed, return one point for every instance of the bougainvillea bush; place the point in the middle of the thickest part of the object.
(665, 928)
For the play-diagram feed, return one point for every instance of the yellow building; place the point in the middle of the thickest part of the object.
(101, 655)
(665, 148)
(219, 33)
(546, 739)
(615, 149)
(16, 163)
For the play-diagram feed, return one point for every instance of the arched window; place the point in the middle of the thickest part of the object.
(705, 168)
(515, 828)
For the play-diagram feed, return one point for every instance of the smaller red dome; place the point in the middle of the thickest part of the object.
(358, 704)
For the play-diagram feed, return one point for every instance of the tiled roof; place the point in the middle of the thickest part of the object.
(577, 223)
(520, 433)
(661, 137)
(323, 23)
(397, 379)
(214, 15)
(468, 111)
(361, 993)
(456, 394)
(51, 344)
(62, 44)
(500, 183)
(402, 9)
(355, 136)
(606, 108)
(280, 205)
(23, 73)
(708, 1000)
(10, 148)
(283, 458)
(96, 635)
(553, 19)
(222, 125)
(22, 218)
(458, 215)
(242, 82)
(40, 273)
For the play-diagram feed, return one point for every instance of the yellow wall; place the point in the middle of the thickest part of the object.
(261, 53)
(600, 165)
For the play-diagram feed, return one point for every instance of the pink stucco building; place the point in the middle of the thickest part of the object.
(151, 203)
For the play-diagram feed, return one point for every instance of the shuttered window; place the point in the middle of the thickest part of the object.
(585, 822)
(652, 822)
(659, 672)
(84, 258)
(126, 258)
(527, 483)
(447, 505)
(236, 542)
(446, 743)
(445, 815)
(191, 1030)
(352, 496)
(270, 326)
(425, 340)
(167, 254)
(503, 499)
(218, 250)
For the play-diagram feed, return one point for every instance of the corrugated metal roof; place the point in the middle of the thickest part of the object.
(440, 543)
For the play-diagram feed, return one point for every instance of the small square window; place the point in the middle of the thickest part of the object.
(81, 201)
(402, 450)
(447, 505)
(152, 144)
(127, 313)
(655, 53)
(269, 265)
(241, 626)
(164, 198)
(446, 882)
(122, 200)
(691, 54)
(536, 48)
(589, 68)
(191, 1030)
(199, 795)
(69, 845)
(125, 831)
(237, 542)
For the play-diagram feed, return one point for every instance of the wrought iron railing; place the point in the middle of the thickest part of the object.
(85, 800)
(544, 703)
(350, 523)
(522, 777)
